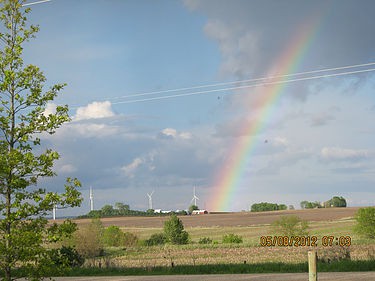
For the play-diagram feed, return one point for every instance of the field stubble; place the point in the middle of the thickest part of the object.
(336, 222)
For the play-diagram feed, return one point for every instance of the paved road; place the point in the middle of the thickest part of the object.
(323, 276)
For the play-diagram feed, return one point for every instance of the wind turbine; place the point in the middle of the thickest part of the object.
(195, 198)
(150, 200)
(91, 200)
(54, 212)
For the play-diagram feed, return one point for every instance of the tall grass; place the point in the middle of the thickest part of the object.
(341, 266)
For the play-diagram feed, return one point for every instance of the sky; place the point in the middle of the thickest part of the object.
(162, 98)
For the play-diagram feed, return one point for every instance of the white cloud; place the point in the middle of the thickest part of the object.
(169, 132)
(343, 154)
(185, 135)
(94, 130)
(50, 109)
(94, 110)
(172, 133)
(131, 168)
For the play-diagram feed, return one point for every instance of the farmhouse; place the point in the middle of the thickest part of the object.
(199, 212)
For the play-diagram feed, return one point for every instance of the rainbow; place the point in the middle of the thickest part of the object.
(226, 183)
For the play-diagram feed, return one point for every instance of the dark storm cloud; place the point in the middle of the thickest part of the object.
(254, 33)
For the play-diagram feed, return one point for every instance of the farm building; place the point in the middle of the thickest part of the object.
(199, 212)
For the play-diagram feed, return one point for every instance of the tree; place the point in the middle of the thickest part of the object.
(122, 208)
(193, 208)
(365, 226)
(335, 201)
(24, 233)
(264, 206)
(310, 205)
(174, 231)
(290, 226)
(303, 204)
(108, 210)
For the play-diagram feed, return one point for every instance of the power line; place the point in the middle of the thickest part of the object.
(241, 81)
(33, 3)
(245, 86)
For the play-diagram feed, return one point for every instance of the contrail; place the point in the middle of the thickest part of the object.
(37, 2)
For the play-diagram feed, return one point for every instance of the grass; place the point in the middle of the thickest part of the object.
(195, 254)
(248, 257)
(341, 266)
(251, 234)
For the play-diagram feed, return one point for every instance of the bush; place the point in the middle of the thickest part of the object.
(113, 236)
(156, 239)
(334, 253)
(232, 238)
(205, 240)
(88, 239)
(130, 239)
(67, 257)
(365, 226)
(174, 231)
(290, 226)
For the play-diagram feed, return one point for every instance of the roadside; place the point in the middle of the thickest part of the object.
(324, 276)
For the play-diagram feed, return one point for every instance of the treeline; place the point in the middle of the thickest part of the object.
(121, 209)
(335, 201)
(264, 206)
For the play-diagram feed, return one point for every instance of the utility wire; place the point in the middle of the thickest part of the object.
(241, 81)
(33, 3)
(246, 86)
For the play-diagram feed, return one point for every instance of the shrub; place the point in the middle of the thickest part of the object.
(290, 226)
(365, 226)
(88, 239)
(174, 231)
(156, 239)
(205, 240)
(232, 238)
(334, 253)
(113, 236)
(67, 257)
(130, 239)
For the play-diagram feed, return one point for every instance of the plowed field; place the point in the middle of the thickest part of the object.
(231, 219)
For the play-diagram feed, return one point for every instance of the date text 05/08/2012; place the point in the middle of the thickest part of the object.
(301, 241)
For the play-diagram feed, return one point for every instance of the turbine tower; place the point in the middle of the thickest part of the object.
(150, 200)
(54, 212)
(91, 200)
(195, 198)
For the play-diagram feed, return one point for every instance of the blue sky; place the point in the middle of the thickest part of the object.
(320, 136)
